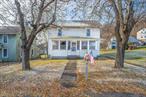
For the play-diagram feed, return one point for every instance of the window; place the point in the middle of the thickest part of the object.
(78, 45)
(113, 42)
(59, 32)
(5, 53)
(63, 45)
(5, 38)
(73, 46)
(68, 45)
(84, 45)
(55, 45)
(92, 45)
(88, 32)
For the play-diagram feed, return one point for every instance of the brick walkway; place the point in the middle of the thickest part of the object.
(69, 75)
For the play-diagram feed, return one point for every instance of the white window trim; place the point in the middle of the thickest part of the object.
(3, 39)
(3, 53)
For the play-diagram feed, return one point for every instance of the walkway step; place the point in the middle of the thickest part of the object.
(69, 75)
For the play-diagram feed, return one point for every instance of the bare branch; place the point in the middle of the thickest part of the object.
(48, 4)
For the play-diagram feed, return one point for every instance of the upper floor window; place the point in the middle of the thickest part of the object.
(59, 32)
(88, 32)
(5, 38)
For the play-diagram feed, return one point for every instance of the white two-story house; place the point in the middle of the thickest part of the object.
(71, 39)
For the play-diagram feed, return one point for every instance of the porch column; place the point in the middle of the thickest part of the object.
(88, 45)
(59, 44)
(66, 45)
(80, 44)
(96, 44)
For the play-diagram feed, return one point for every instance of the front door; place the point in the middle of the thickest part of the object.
(72, 50)
(73, 46)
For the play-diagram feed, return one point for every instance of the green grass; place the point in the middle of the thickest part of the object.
(136, 56)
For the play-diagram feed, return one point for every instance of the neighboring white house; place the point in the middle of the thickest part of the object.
(74, 39)
(141, 35)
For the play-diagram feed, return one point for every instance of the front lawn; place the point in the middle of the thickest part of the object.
(136, 57)
(43, 79)
(43, 72)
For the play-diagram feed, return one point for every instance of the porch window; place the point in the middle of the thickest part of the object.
(78, 45)
(55, 45)
(63, 45)
(5, 38)
(92, 45)
(69, 45)
(84, 45)
(5, 53)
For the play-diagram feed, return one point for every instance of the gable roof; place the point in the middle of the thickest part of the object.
(77, 24)
(9, 29)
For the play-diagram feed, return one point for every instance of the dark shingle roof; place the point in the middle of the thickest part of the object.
(77, 23)
(9, 29)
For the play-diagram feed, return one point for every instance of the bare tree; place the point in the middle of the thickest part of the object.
(33, 16)
(42, 41)
(124, 14)
(36, 25)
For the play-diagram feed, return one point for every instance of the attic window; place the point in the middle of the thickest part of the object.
(88, 32)
(59, 32)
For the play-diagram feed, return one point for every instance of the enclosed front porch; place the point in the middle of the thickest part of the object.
(73, 47)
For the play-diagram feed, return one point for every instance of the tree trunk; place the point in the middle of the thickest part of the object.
(120, 54)
(25, 59)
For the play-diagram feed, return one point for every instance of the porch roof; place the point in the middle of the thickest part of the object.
(72, 37)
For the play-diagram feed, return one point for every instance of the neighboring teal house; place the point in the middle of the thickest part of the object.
(9, 43)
